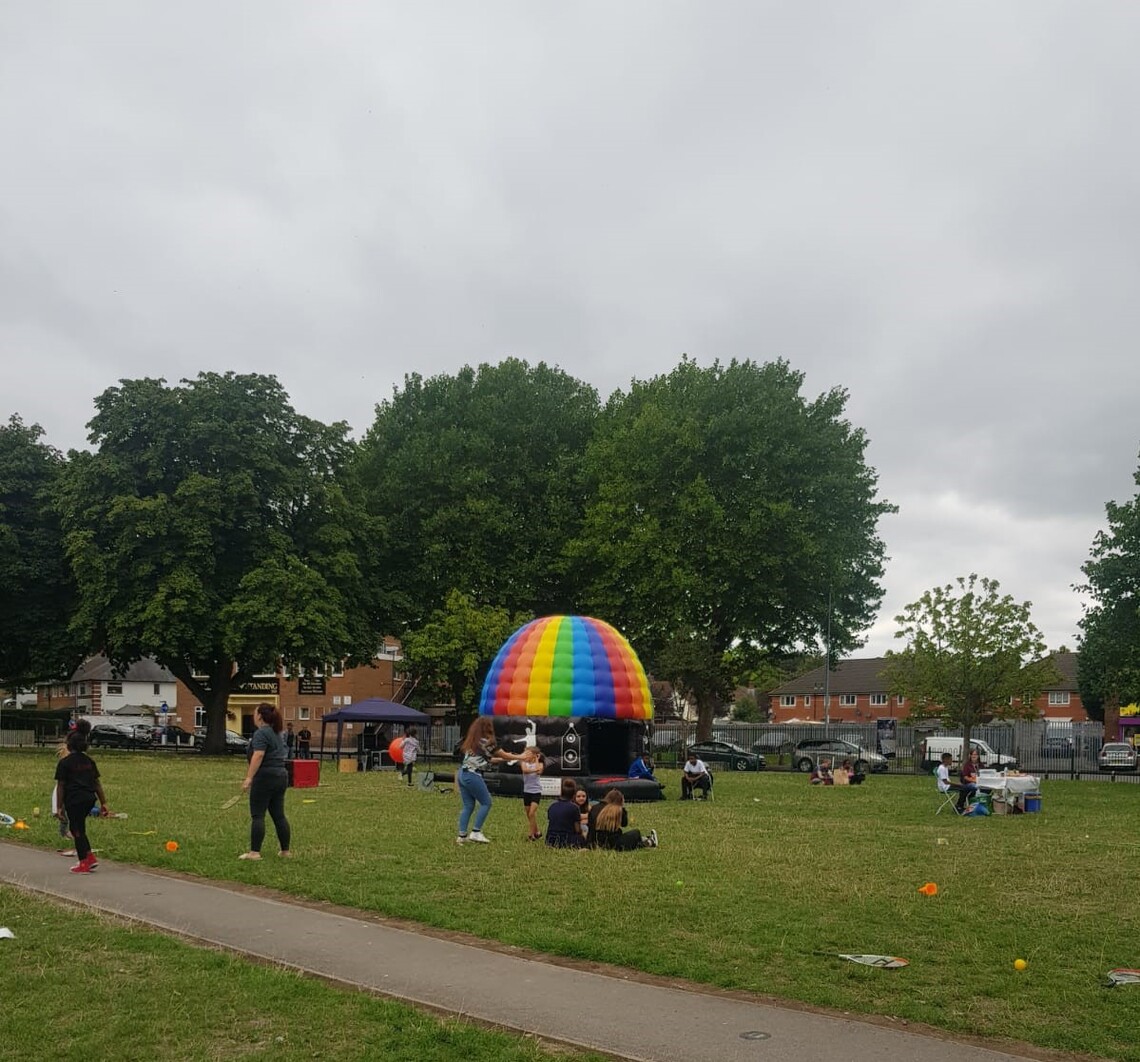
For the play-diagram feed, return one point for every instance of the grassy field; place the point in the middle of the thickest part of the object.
(743, 892)
(136, 995)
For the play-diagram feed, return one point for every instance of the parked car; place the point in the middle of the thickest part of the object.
(1117, 756)
(773, 741)
(808, 753)
(737, 758)
(1057, 745)
(173, 736)
(119, 736)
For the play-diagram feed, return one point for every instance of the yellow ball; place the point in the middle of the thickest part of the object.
(1019, 964)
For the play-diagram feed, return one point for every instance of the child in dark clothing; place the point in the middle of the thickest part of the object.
(77, 787)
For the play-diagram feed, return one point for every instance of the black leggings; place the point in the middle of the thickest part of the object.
(77, 813)
(267, 793)
(407, 769)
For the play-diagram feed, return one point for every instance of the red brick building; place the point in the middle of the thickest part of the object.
(858, 693)
(303, 700)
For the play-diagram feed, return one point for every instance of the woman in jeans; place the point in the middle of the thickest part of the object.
(479, 752)
(266, 781)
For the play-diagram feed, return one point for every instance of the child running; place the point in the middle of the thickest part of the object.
(77, 788)
(410, 752)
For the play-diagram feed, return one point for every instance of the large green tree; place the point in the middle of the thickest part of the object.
(972, 654)
(732, 517)
(1108, 670)
(479, 476)
(37, 592)
(450, 655)
(211, 528)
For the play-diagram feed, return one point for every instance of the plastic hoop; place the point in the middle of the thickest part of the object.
(6, 820)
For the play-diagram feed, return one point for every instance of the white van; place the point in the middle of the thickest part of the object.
(930, 754)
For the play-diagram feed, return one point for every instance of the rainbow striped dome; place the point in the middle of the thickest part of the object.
(567, 666)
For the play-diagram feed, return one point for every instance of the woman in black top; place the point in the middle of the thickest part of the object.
(564, 819)
(77, 787)
(607, 826)
(266, 781)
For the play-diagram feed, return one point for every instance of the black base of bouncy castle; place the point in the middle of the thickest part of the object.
(596, 785)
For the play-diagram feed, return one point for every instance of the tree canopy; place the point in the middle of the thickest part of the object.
(37, 592)
(971, 654)
(728, 511)
(1109, 667)
(211, 529)
(479, 476)
(450, 655)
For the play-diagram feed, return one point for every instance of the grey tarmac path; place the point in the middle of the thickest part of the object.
(631, 1019)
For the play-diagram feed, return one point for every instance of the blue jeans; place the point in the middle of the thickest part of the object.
(473, 790)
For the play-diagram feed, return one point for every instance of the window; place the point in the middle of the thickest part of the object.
(114, 689)
(807, 700)
(787, 700)
(83, 689)
(878, 699)
(199, 715)
(1058, 697)
(303, 714)
(847, 700)
(157, 688)
(900, 700)
(338, 669)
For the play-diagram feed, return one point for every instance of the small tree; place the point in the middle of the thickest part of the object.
(451, 654)
(971, 654)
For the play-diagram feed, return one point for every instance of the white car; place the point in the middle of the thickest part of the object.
(1117, 756)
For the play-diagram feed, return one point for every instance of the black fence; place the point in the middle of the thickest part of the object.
(1046, 750)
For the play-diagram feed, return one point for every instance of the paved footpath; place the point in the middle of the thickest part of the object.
(630, 1019)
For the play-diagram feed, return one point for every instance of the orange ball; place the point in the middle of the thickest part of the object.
(172, 846)
(396, 750)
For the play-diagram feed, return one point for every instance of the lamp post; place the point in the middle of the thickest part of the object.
(827, 670)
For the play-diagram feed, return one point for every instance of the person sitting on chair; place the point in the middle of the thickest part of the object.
(822, 773)
(968, 779)
(642, 767)
(942, 773)
(695, 775)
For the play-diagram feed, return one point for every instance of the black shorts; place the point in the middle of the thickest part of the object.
(531, 798)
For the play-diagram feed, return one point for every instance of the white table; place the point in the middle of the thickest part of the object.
(1008, 784)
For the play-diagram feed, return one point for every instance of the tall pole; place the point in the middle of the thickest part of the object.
(827, 669)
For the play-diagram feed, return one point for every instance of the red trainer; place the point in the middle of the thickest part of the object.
(91, 861)
(82, 867)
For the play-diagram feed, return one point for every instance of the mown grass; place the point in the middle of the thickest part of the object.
(84, 987)
(743, 892)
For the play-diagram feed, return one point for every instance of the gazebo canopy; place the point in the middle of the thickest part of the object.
(373, 710)
(376, 710)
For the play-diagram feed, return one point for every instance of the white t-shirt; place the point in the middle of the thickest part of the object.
(695, 768)
(943, 774)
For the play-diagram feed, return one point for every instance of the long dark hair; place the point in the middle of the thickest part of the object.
(271, 716)
(481, 729)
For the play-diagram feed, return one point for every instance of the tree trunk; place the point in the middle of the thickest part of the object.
(215, 701)
(707, 705)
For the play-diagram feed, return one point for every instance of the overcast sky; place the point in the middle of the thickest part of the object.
(931, 205)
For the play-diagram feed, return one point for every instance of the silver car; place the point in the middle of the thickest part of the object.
(808, 753)
(1117, 756)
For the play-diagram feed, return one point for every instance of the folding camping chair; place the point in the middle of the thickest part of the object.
(949, 798)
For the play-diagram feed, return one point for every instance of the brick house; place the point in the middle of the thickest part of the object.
(302, 700)
(858, 693)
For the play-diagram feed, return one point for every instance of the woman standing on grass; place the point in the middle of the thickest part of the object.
(266, 780)
(479, 752)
